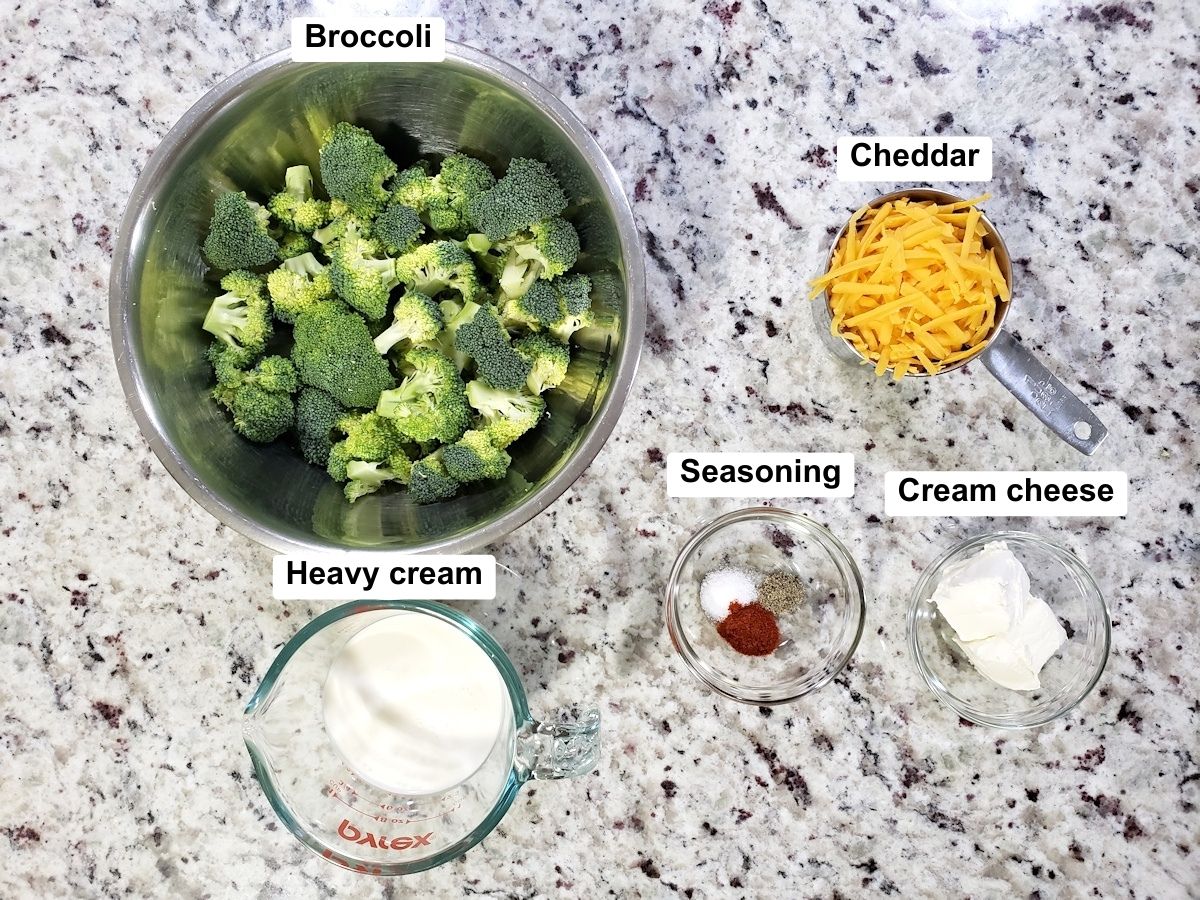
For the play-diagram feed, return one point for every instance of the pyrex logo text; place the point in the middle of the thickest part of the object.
(351, 833)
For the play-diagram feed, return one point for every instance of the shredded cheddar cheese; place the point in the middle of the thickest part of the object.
(912, 287)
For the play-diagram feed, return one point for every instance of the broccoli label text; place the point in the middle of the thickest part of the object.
(760, 474)
(374, 576)
(874, 158)
(368, 38)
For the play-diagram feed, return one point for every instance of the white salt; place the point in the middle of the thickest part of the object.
(724, 587)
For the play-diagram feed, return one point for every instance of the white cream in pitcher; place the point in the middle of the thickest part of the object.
(413, 705)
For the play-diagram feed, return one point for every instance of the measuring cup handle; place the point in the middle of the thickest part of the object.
(559, 749)
(1047, 397)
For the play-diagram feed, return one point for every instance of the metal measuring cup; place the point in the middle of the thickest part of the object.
(1002, 354)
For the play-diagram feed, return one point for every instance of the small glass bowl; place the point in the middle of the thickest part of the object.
(818, 637)
(1058, 577)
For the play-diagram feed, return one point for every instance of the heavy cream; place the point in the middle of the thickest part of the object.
(1007, 633)
(413, 705)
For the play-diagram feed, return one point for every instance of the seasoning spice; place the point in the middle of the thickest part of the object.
(781, 592)
(750, 629)
(724, 587)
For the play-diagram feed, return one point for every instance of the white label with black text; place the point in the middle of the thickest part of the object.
(368, 39)
(874, 158)
(760, 474)
(1058, 494)
(376, 576)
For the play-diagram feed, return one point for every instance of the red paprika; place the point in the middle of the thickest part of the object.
(750, 629)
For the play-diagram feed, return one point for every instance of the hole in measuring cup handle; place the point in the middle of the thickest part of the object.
(566, 748)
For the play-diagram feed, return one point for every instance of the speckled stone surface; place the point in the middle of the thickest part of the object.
(133, 626)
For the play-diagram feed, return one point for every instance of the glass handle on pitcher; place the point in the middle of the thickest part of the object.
(559, 749)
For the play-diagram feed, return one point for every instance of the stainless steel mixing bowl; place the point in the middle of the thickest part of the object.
(243, 133)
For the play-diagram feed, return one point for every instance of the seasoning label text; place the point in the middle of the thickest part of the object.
(1060, 494)
(368, 38)
(874, 158)
(375, 576)
(760, 474)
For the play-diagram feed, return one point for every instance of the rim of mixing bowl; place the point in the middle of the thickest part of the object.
(1008, 722)
(625, 364)
(852, 586)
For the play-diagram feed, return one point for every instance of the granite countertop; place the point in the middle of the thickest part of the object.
(133, 626)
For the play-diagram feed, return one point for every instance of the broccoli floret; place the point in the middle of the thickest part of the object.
(237, 236)
(575, 291)
(474, 457)
(342, 220)
(398, 229)
(429, 404)
(361, 275)
(455, 315)
(414, 188)
(461, 179)
(485, 341)
(433, 268)
(367, 477)
(334, 352)
(546, 250)
(295, 206)
(317, 415)
(539, 307)
(298, 285)
(527, 193)
(354, 167)
(241, 317)
(272, 373)
(370, 438)
(569, 324)
(293, 243)
(430, 482)
(229, 364)
(549, 359)
(415, 318)
(506, 415)
(260, 414)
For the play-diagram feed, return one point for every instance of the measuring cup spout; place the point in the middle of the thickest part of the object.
(559, 750)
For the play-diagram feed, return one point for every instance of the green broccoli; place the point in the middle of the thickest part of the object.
(262, 415)
(414, 188)
(367, 477)
(537, 308)
(473, 457)
(415, 318)
(429, 404)
(237, 236)
(527, 193)
(455, 315)
(295, 206)
(505, 415)
(341, 220)
(361, 275)
(485, 341)
(292, 244)
(546, 250)
(459, 181)
(575, 290)
(398, 228)
(241, 317)
(433, 268)
(297, 285)
(370, 441)
(317, 415)
(354, 167)
(549, 359)
(429, 481)
(334, 352)
(260, 399)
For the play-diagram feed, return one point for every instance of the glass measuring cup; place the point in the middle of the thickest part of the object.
(355, 824)
(1003, 355)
